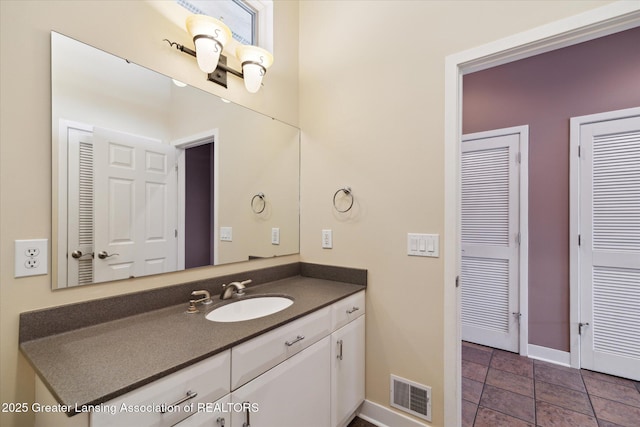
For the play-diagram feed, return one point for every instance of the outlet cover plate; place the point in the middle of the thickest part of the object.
(226, 234)
(327, 239)
(31, 257)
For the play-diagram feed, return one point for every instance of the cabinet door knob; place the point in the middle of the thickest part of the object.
(339, 356)
(353, 310)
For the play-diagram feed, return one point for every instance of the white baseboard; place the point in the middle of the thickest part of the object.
(549, 355)
(385, 417)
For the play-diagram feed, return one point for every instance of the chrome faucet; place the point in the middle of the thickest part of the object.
(206, 299)
(233, 288)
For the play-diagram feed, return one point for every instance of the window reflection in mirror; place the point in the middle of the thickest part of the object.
(146, 173)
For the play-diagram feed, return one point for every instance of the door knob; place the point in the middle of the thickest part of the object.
(104, 254)
(77, 254)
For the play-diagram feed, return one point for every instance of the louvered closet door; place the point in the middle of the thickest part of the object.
(489, 277)
(80, 207)
(610, 246)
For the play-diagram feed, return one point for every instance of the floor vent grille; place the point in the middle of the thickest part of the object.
(411, 397)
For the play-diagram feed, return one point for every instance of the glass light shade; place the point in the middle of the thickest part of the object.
(207, 54)
(208, 48)
(255, 61)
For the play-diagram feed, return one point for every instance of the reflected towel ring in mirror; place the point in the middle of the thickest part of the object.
(257, 209)
(347, 193)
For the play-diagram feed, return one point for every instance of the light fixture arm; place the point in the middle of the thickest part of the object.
(181, 48)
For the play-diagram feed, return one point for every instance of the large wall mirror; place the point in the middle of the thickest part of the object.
(151, 176)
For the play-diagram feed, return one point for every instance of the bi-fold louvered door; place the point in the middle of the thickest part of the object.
(80, 207)
(489, 230)
(609, 255)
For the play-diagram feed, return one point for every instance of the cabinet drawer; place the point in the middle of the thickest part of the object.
(210, 414)
(208, 380)
(254, 357)
(346, 310)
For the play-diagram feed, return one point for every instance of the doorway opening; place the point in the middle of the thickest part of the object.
(590, 25)
(199, 206)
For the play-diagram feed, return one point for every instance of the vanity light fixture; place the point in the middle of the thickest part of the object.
(209, 37)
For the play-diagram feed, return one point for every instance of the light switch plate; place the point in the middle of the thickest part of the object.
(31, 257)
(275, 236)
(423, 245)
(226, 234)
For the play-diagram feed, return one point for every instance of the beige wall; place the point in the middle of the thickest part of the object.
(371, 105)
(131, 29)
(372, 117)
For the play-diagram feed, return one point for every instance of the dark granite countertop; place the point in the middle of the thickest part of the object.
(94, 364)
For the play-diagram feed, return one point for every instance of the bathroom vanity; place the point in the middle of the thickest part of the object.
(303, 365)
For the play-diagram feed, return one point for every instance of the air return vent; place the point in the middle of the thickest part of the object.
(411, 397)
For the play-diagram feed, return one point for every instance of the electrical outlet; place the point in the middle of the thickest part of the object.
(275, 236)
(31, 263)
(327, 239)
(32, 252)
(30, 257)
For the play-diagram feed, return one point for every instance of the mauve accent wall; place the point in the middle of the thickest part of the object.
(545, 91)
(198, 209)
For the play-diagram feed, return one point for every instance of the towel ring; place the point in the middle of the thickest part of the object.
(253, 205)
(347, 192)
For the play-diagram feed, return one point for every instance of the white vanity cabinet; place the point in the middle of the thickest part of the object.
(294, 393)
(317, 386)
(308, 372)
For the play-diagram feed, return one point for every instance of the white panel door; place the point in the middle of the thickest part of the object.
(489, 234)
(609, 252)
(135, 206)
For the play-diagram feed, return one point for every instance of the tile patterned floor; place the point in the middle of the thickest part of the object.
(504, 389)
(359, 422)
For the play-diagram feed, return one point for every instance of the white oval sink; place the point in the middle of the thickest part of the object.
(250, 308)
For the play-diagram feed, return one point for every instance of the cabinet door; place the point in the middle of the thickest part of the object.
(347, 371)
(294, 393)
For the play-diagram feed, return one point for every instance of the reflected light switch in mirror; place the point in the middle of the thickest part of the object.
(226, 234)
